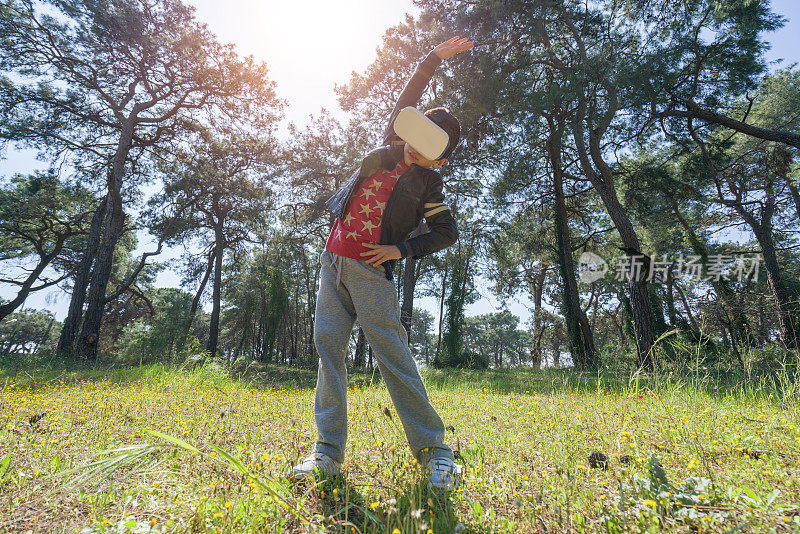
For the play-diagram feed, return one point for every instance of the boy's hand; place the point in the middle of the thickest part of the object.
(381, 253)
(452, 47)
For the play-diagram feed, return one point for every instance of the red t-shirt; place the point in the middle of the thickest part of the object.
(362, 220)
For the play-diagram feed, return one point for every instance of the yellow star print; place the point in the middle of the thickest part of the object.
(380, 206)
(365, 209)
(376, 183)
(349, 217)
(367, 193)
(354, 235)
(369, 226)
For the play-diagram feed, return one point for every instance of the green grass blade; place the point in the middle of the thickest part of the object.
(172, 439)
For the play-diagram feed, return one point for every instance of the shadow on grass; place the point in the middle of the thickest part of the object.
(282, 377)
(414, 508)
(23, 371)
(35, 372)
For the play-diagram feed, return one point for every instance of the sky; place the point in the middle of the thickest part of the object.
(311, 45)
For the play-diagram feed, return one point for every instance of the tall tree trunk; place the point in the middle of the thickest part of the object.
(270, 343)
(788, 308)
(538, 330)
(409, 283)
(427, 350)
(740, 333)
(292, 342)
(262, 326)
(310, 303)
(726, 325)
(671, 311)
(216, 298)
(603, 183)
(659, 324)
(114, 224)
(788, 305)
(556, 353)
(689, 314)
(623, 340)
(795, 193)
(198, 295)
(295, 325)
(584, 355)
(89, 338)
(763, 330)
(441, 310)
(283, 343)
(642, 313)
(239, 350)
(358, 357)
(69, 330)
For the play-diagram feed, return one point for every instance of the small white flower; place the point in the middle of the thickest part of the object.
(416, 514)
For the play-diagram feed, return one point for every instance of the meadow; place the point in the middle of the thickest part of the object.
(163, 449)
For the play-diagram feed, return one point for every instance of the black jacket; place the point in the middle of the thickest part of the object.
(417, 193)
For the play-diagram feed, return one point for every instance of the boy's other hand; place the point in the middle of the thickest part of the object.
(381, 253)
(452, 47)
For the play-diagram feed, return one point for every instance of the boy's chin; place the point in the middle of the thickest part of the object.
(410, 161)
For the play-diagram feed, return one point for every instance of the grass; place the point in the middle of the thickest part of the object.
(689, 453)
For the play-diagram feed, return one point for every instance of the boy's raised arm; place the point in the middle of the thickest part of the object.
(414, 88)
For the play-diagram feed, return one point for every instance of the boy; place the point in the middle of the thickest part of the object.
(379, 206)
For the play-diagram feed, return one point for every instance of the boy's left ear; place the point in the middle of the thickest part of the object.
(439, 162)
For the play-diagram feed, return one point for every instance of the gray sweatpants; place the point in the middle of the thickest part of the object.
(349, 289)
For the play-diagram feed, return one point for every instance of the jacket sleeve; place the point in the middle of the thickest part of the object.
(411, 94)
(372, 162)
(443, 230)
(380, 157)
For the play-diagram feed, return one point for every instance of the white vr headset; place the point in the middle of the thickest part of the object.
(424, 135)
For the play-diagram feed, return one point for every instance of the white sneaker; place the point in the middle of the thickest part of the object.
(443, 473)
(316, 465)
